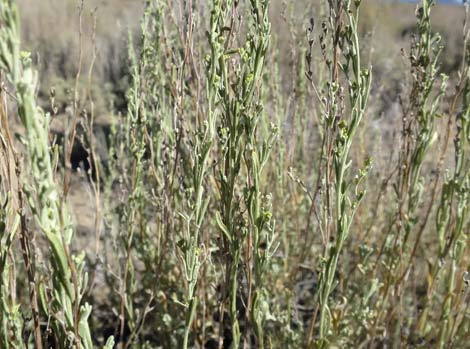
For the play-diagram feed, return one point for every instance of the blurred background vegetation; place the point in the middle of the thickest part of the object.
(50, 30)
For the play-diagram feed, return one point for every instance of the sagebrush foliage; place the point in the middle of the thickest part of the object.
(239, 204)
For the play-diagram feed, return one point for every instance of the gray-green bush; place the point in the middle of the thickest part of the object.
(243, 199)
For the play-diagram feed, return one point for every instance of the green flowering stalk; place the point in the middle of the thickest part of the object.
(340, 203)
(204, 137)
(452, 220)
(453, 242)
(235, 88)
(256, 155)
(62, 301)
(419, 133)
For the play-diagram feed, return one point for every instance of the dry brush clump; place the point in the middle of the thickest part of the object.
(249, 196)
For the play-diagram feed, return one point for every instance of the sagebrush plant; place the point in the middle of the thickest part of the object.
(418, 133)
(452, 217)
(421, 113)
(238, 81)
(143, 168)
(235, 201)
(61, 302)
(237, 73)
(11, 322)
(9, 224)
(13, 209)
(455, 196)
(339, 130)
